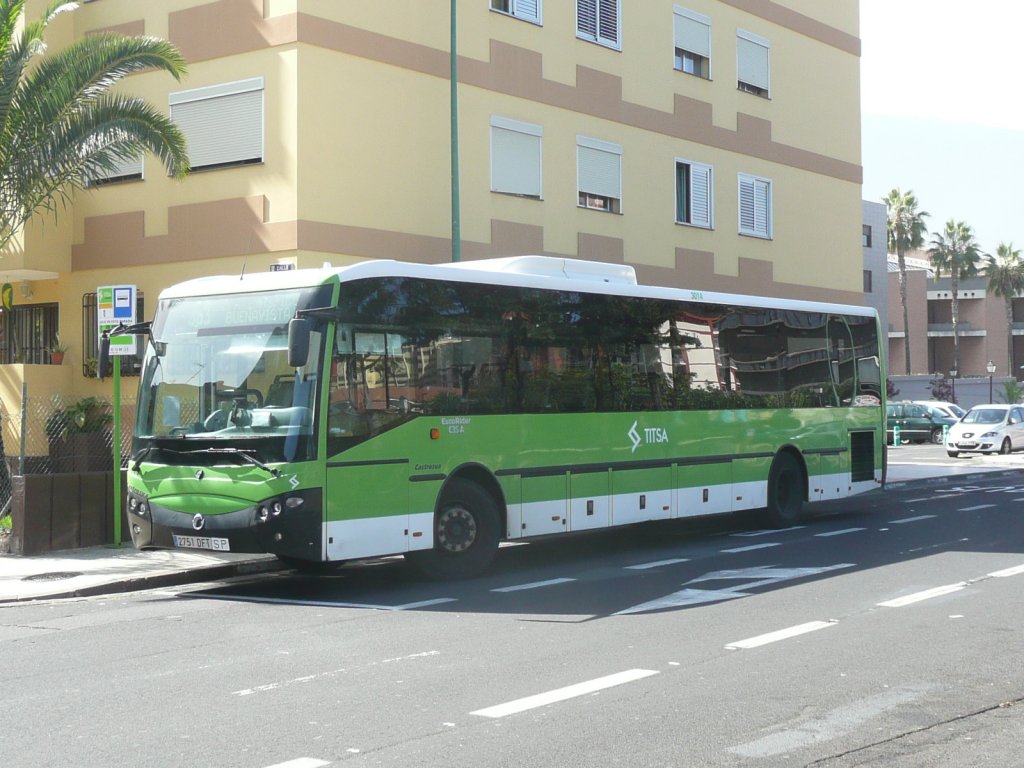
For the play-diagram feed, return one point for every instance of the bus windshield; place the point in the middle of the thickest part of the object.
(216, 373)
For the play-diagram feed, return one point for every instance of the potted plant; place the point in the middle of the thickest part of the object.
(57, 351)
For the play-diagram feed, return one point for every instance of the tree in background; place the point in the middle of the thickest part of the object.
(61, 125)
(905, 231)
(955, 251)
(1005, 272)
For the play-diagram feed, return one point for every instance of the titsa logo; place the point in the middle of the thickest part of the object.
(650, 435)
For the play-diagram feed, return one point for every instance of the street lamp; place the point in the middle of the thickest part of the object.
(991, 368)
(952, 378)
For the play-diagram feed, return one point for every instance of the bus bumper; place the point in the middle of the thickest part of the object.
(289, 528)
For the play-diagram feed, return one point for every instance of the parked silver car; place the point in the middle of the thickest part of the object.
(988, 429)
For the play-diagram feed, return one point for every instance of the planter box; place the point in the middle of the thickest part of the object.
(63, 511)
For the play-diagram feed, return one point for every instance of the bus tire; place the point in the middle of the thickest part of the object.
(466, 533)
(785, 492)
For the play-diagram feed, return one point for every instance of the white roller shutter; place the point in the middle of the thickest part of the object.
(515, 157)
(692, 31)
(527, 9)
(752, 59)
(599, 167)
(223, 124)
(598, 20)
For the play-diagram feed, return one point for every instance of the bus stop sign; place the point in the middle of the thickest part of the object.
(115, 304)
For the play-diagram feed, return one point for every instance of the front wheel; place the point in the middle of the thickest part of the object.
(1006, 447)
(952, 454)
(466, 533)
(937, 436)
(785, 491)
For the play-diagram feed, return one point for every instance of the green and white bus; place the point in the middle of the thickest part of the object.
(437, 410)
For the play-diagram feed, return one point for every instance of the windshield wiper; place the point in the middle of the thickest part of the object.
(244, 455)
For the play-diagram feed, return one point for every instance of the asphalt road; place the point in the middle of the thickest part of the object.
(885, 631)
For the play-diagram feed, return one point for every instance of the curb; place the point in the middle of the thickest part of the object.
(156, 580)
(973, 476)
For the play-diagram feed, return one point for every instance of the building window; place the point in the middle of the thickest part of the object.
(599, 22)
(755, 206)
(867, 281)
(123, 170)
(865, 235)
(131, 365)
(528, 10)
(27, 332)
(692, 33)
(599, 174)
(693, 194)
(516, 157)
(752, 65)
(223, 124)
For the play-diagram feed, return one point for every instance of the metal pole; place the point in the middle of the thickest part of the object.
(117, 451)
(454, 77)
(24, 407)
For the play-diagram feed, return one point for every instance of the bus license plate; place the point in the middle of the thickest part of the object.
(202, 542)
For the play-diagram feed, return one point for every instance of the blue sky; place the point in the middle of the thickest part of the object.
(942, 103)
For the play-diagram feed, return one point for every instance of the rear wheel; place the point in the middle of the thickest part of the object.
(466, 533)
(785, 491)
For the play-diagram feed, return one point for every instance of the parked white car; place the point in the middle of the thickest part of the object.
(988, 429)
(938, 407)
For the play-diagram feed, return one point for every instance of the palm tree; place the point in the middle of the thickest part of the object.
(60, 124)
(1005, 272)
(905, 230)
(955, 251)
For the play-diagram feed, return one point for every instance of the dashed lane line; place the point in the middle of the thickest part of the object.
(975, 508)
(842, 532)
(302, 762)
(916, 519)
(533, 585)
(752, 547)
(563, 694)
(781, 634)
(927, 594)
(657, 564)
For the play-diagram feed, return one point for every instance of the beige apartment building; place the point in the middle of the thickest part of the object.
(711, 144)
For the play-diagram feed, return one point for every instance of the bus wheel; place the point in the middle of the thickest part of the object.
(466, 533)
(785, 491)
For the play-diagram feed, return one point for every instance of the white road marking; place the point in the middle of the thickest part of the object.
(329, 674)
(973, 509)
(927, 594)
(782, 634)
(302, 762)
(657, 564)
(835, 724)
(752, 547)
(325, 603)
(767, 531)
(1015, 571)
(910, 519)
(563, 694)
(533, 585)
(914, 501)
(751, 578)
(839, 533)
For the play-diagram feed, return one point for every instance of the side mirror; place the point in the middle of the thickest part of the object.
(298, 342)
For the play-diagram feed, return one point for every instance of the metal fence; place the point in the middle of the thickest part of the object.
(60, 434)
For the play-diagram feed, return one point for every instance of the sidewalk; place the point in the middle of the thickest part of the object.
(110, 570)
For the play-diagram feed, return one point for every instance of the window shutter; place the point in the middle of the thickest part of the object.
(222, 124)
(528, 9)
(693, 32)
(752, 59)
(515, 157)
(755, 206)
(608, 22)
(599, 168)
(700, 195)
(586, 18)
(123, 169)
